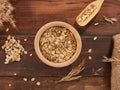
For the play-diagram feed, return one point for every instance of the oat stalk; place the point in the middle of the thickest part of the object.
(110, 20)
(6, 10)
(97, 71)
(72, 75)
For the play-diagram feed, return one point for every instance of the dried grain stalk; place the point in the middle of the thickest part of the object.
(6, 10)
(97, 71)
(110, 20)
(72, 75)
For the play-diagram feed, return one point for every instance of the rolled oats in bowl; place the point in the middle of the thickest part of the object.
(58, 44)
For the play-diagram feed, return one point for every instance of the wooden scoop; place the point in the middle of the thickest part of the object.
(89, 12)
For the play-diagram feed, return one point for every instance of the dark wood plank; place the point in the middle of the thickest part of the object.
(32, 14)
(48, 83)
(16, 83)
(32, 66)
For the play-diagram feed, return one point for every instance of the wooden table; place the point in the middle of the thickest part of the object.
(30, 16)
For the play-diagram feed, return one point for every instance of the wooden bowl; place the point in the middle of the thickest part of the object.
(62, 24)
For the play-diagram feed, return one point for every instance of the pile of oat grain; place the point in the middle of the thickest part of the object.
(13, 50)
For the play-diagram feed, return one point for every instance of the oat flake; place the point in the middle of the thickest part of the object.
(58, 44)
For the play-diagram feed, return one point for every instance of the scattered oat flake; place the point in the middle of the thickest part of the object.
(31, 54)
(32, 79)
(108, 19)
(9, 85)
(25, 52)
(95, 38)
(90, 50)
(114, 19)
(25, 39)
(38, 83)
(7, 29)
(95, 24)
(25, 79)
(89, 57)
(15, 74)
(6, 62)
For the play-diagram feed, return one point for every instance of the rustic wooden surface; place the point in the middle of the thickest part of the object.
(30, 16)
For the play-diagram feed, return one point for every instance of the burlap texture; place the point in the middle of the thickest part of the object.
(115, 73)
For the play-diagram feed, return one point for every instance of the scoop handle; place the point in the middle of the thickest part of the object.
(99, 3)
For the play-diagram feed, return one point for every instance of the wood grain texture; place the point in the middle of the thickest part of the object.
(30, 16)
(34, 66)
(48, 83)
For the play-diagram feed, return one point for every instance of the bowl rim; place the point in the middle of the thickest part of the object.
(62, 24)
